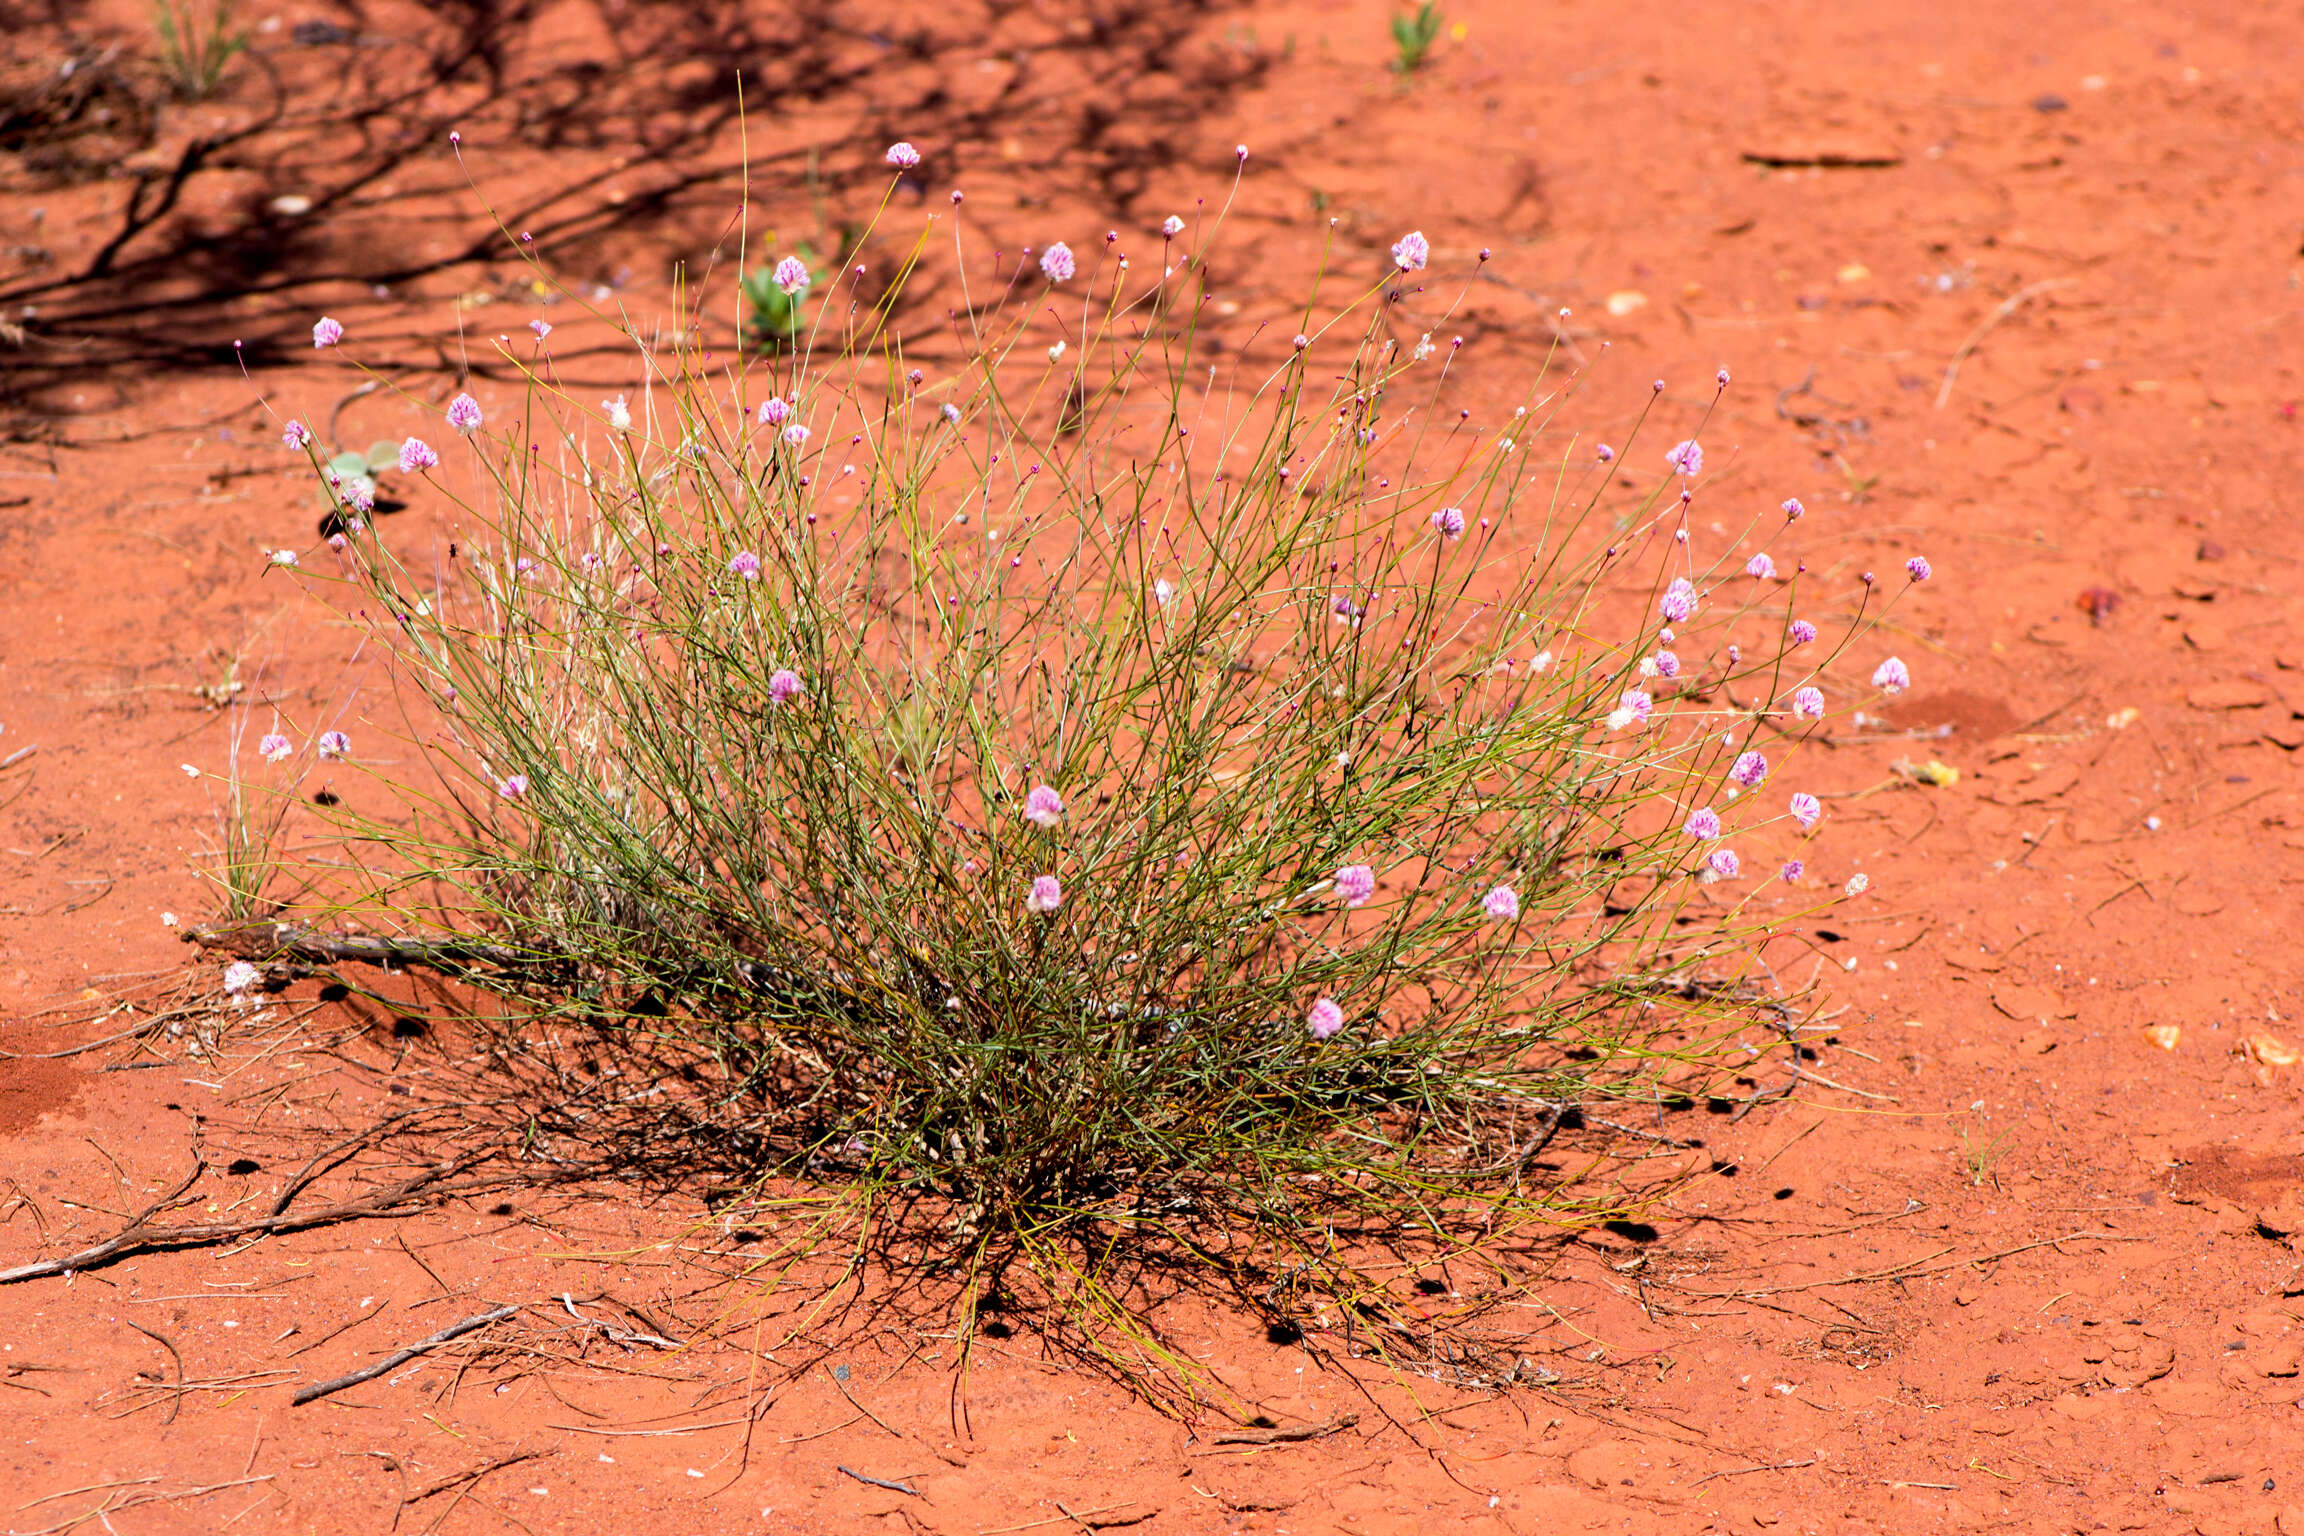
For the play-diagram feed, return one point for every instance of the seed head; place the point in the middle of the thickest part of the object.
(1323, 1019)
(283, 557)
(1857, 884)
(619, 414)
(1355, 884)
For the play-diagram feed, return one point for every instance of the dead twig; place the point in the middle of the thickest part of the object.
(881, 1482)
(400, 1356)
(176, 1403)
(2008, 306)
(1286, 1433)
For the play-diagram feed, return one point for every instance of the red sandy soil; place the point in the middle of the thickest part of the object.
(1842, 1323)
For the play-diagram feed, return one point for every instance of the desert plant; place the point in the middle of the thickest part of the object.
(195, 49)
(1126, 807)
(1413, 37)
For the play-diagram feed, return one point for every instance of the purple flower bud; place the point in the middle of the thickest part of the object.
(1355, 884)
(416, 454)
(464, 414)
(327, 333)
(1411, 251)
(1751, 768)
(902, 155)
(1803, 632)
(1722, 377)
(1704, 824)
(1806, 809)
(1324, 1019)
(1605, 453)
(1056, 262)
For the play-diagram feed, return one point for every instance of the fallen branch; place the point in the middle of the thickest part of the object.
(399, 1357)
(881, 1482)
(141, 1236)
(1286, 1433)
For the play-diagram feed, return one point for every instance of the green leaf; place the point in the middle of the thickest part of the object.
(381, 456)
(345, 465)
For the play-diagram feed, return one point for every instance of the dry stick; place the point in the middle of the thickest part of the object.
(2008, 306)
(1336, 1425)
(288, 941)
(400, 1356)
(1780, 1466)
(498, 1465)
(139, 1236)
(1910, 1269)
(881, 1482)
(177, 1403)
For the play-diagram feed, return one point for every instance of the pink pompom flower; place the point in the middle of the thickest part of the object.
(1355, 884)
(1171, 226)
(1751, 768)
(1723, 863)
(415, 455)
(1803, 632)
(1411, 251)
(1047, 895)
(275, 748)
(902, 155)
(791, 274)
(796, 435)
(773, 411)
(1793, 511)
(1448, 522)
(1703, 823)
(783, 686)
(514, 787)
(1917, 568)
(1323, 1019)
(1686, 457)
(333, 745)
(542, 328)
(1808, 703)
(1502, 904)
(327, 332)
(1892, 676)
(1043, 807)
(1806, 809)
(1760, 567)
(464, 414)
(744, 564)
(241, 978)
(1056, 263)
(1792, 871)
(295, 435)
(1678, 604)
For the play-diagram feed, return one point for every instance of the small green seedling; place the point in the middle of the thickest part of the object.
(1412, 38)
(194, 56)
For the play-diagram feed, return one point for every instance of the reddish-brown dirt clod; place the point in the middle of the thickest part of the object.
(2024, 1269)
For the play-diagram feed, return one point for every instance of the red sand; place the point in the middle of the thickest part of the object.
(1837, 1326)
